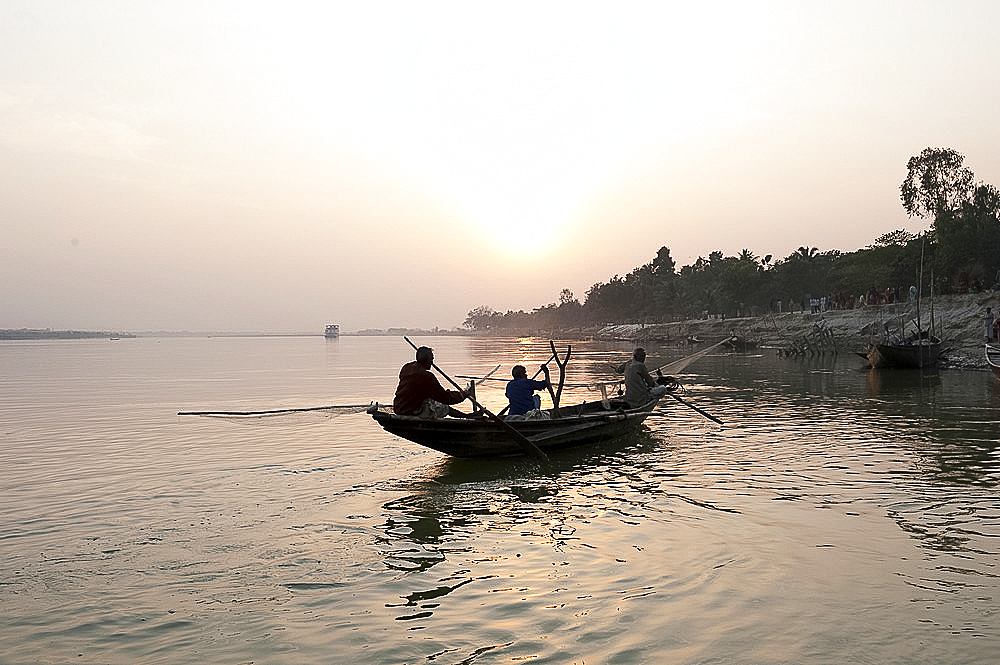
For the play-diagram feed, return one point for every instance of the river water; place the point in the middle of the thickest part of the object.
(838, 516)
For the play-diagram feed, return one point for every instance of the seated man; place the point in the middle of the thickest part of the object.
(640, 387)
(420, 394)
(521, 390)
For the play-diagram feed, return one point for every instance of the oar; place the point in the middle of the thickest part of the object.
(359, 407)
(491, 373)
(692, 406)
(524, 441)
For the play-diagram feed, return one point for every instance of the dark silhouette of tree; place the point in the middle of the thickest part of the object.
(969, 238)
(481, 318)
(935, 183)
(804, 254)
(965, 235)
(900, 237)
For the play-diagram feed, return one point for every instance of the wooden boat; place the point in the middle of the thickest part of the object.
(740, 343)
(332, 331)
(588, 422)
(492, 436)
(993, 359)
(916, 351)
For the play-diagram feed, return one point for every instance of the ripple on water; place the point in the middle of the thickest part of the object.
(836, 516)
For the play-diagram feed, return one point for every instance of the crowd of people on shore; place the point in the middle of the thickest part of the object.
(871, 297)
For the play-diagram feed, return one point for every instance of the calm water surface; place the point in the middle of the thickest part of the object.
(838, 516)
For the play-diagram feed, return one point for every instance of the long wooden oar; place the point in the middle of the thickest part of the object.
(692, 406)
(491, 373)
(349, 407)
(521, 439)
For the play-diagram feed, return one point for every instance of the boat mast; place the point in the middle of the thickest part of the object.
(932, 300)
(920, 284)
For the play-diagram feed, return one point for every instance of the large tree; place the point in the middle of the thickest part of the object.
(969, 237)
(481, 318)
(936, 183)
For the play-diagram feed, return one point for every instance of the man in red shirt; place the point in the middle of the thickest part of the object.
(420, 394)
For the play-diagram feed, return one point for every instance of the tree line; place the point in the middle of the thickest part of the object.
(960, 252)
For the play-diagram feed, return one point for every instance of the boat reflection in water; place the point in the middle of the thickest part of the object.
(893, 383)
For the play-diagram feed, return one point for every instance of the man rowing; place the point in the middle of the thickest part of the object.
(419, 393)
(521, 391)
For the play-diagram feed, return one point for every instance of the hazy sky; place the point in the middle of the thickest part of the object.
(263, 166)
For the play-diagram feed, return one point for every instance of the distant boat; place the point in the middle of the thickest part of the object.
(332, 331)
(993, 358)
(740, 343)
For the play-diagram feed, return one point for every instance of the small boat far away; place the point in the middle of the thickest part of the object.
(332, 331)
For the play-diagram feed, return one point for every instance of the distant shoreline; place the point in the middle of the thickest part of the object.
(47, 333)
(958, 320)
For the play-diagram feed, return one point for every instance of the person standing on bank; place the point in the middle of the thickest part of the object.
(640, 387)
(988, 318)
(419, 393)
(521, 390)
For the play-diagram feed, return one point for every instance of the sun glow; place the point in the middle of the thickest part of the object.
(522, 197)
(524, 223)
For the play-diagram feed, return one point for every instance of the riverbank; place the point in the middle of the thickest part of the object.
(958, 320)
(48, 333)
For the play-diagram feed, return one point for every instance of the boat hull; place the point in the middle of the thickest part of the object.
(924, 353)
(993, 359)
(578, 425)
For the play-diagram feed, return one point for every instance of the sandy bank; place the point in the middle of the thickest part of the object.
(958, 321)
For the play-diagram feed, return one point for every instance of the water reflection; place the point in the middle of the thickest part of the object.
(829, 493)
(460, 497)
(421, 528)
(889, 383)
(420, 599)
(993, 393)
(824, 477)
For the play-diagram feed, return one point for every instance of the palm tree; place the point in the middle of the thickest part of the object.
(806, 253)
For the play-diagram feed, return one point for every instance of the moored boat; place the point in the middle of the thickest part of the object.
(917, 351)
(740, 343)
(579, 424)
(993, 359)
(332, 331)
